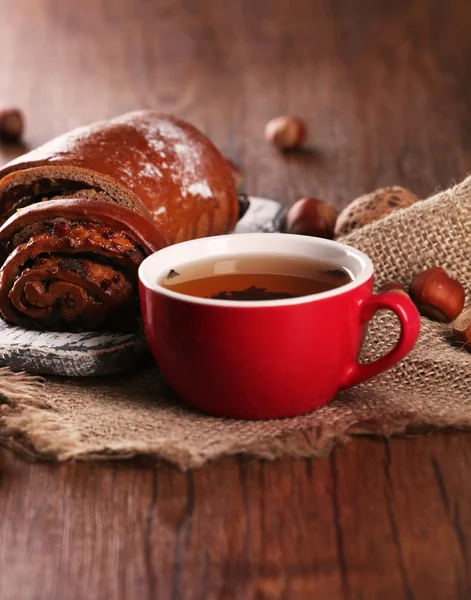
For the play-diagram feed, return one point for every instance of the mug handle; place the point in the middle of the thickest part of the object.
(409, 319)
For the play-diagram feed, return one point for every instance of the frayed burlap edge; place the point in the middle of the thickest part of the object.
(36, 431)
(33, 427)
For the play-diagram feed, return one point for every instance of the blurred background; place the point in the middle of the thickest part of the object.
(383, 86)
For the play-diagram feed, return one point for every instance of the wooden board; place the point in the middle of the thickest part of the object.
(99, 353)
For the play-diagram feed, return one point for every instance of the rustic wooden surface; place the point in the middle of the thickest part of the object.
(386, 91)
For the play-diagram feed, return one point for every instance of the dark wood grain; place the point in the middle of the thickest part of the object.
(385, 90)
(373, 520)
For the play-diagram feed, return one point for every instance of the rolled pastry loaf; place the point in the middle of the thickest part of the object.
(151, 163)
(80, 214)
(72, 265)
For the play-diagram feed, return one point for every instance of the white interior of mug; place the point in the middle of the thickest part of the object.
(154, 268)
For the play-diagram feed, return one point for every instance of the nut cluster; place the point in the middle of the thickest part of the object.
(311, 216)
(439, 296)
(437, 293)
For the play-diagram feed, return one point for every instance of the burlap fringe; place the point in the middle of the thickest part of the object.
(20, 386)
(36, 431)
(31, 426)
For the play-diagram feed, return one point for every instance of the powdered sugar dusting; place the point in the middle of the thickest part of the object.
(168, 158)
(151, 171)
(160, 211)
(183, 164)
(200, 189)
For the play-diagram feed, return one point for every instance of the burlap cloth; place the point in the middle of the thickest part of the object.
(137, 414)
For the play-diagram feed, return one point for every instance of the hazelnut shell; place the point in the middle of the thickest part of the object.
(373, 206)
(437, 294)
(286, 132)
(310, 216)
(462, 328)
(11, 124)
(393, 286)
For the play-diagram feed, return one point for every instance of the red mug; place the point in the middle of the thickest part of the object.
(273, 358)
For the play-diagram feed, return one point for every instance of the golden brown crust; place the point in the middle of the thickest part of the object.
(158, 160)
(139, 228)
(139, 182)
(373, 206)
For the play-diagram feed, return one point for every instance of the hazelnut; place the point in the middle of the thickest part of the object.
(286, 132)
(310, 216)
(11, 124)
(373, 206)
(393, 286)
(437, 294)
(462, 328)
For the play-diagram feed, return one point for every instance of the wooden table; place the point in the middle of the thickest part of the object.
(386, 90)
